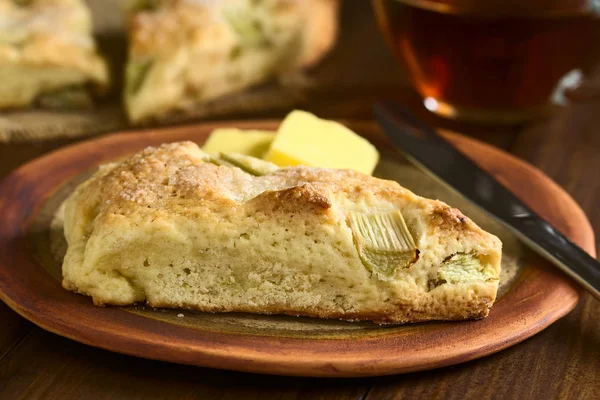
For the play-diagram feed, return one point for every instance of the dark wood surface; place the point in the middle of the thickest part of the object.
(561, 362)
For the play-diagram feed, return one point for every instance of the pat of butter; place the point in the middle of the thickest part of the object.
(304, 139)
(229, 140)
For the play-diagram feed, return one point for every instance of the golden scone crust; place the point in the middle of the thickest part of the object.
(321, 31)
(46, 45)
(168, 228)
(182, 52)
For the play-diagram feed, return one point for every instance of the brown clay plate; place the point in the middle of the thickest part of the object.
(532, 295)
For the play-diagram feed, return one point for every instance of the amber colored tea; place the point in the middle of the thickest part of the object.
(478, 64)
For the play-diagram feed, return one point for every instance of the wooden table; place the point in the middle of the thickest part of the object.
(561, 362)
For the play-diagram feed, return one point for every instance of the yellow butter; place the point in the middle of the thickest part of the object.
(248, 142)
(304, 139)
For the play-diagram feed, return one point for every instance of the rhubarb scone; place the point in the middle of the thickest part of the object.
(174, 227)
(47, 54)
(184, 52)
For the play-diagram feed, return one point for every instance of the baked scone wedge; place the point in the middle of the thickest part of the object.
(174, 227)
(47, 54)
(184, 52)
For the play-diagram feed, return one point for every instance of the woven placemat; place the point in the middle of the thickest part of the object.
(41, 125)
(38, 125)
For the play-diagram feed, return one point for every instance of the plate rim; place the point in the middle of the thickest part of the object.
(330, 357)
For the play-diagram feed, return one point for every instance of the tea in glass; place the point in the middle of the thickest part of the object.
(492, 60)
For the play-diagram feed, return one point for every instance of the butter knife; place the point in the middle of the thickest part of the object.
(425, 148)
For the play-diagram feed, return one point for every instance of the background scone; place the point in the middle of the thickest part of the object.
(171, 227)
(47, 54)
(182, 52)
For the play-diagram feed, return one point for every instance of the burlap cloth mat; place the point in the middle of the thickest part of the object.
(108, 115)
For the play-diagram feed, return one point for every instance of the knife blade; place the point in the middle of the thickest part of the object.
(424, 147)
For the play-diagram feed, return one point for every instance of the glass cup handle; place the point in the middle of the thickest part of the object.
(568, 84)
(574, 86)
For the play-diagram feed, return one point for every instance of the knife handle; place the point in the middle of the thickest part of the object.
(559, 250)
